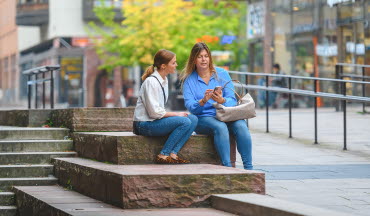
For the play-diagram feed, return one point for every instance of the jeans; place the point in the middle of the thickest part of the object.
(178, 128)
(220, 131)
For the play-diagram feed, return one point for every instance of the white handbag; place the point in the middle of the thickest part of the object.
(245, 109)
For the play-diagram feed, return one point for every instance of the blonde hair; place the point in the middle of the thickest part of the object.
(161, 57)
(190, 63)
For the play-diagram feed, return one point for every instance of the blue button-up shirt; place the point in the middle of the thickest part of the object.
(194, 89)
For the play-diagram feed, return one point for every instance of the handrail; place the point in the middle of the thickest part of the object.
(299, 77)
(35, 72)
(311, 93)
(353, 65)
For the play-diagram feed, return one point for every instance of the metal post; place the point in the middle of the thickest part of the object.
(29, 90)
(35, 90)
(246, 92)
(363, 89)
(290, 107)
(43, 91)
(344, 117)
(315, 106)
(51, 89)
(267, 105)
(336, 87)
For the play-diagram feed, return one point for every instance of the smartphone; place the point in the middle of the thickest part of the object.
(217, 88)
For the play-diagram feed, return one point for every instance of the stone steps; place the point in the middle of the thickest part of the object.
(127, 148)
(8, 210)
(18, 158)
(19, 133)
(55, 200)
(250, 204)
(29, 170)
(7, 198)
(35, 145)
(153, 185)
(6, 184)
(94, 119)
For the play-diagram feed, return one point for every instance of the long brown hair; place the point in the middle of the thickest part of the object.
(190, 63)
(161, 57)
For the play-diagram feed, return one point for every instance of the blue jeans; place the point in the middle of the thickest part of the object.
(178, 128)
(220, 131)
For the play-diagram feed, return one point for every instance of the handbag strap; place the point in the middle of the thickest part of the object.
(239, 98)
(164, 94)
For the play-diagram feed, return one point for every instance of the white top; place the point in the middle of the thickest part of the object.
(150, 104)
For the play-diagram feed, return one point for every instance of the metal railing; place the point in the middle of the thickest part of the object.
(340, 75)
(314, 93)
(34, 73)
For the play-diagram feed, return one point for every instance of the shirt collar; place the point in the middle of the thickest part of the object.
(156, 74)
(200, 78)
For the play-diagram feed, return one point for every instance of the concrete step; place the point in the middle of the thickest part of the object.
(29, 170)
(7, 183)
(127, 148)
(6, 198)
(55, 200)
(18, 158)
(8, 210)
(94, 119)
(155, 186)
(35, 145)
(250, 204)
(23, 133)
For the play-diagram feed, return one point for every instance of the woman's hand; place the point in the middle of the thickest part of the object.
(217, 96)
(182, 114)
(207, 95)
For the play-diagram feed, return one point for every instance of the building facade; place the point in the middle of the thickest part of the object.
(53, 32)
(309, 37)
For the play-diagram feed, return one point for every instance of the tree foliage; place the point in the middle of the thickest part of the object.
(176, 25)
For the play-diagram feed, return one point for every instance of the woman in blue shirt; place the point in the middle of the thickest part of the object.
(200, 79)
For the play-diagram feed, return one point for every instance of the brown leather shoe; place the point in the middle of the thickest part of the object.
(180, 160)
(168, 160)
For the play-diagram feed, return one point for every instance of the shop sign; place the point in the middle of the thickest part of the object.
(255, 20)
(326, 50)
(359, 49)
(331, 3)
(304, 28)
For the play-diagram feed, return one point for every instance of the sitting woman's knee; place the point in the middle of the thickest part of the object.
(193, 119)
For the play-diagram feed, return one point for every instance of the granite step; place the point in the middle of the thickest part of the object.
(28, 170)
(94, 119)
(6, 199)
(8, 210)
(55, 200)
(18, 158)
(37, 133)
(35, 145)
(250, 204)
(126, 148)
(155, 186)
(6, 184)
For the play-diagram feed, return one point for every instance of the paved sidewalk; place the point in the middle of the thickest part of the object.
(321, 175)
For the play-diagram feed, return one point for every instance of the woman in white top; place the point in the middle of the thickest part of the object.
(151, 117)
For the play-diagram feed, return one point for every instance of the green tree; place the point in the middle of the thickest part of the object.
(150, 25)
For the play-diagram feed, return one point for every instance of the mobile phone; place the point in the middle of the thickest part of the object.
(217, 88)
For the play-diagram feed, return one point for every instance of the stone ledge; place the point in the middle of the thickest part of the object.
(76, 119)
(127, 148)
(57, 201)
(155, 186)
(255, 204)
